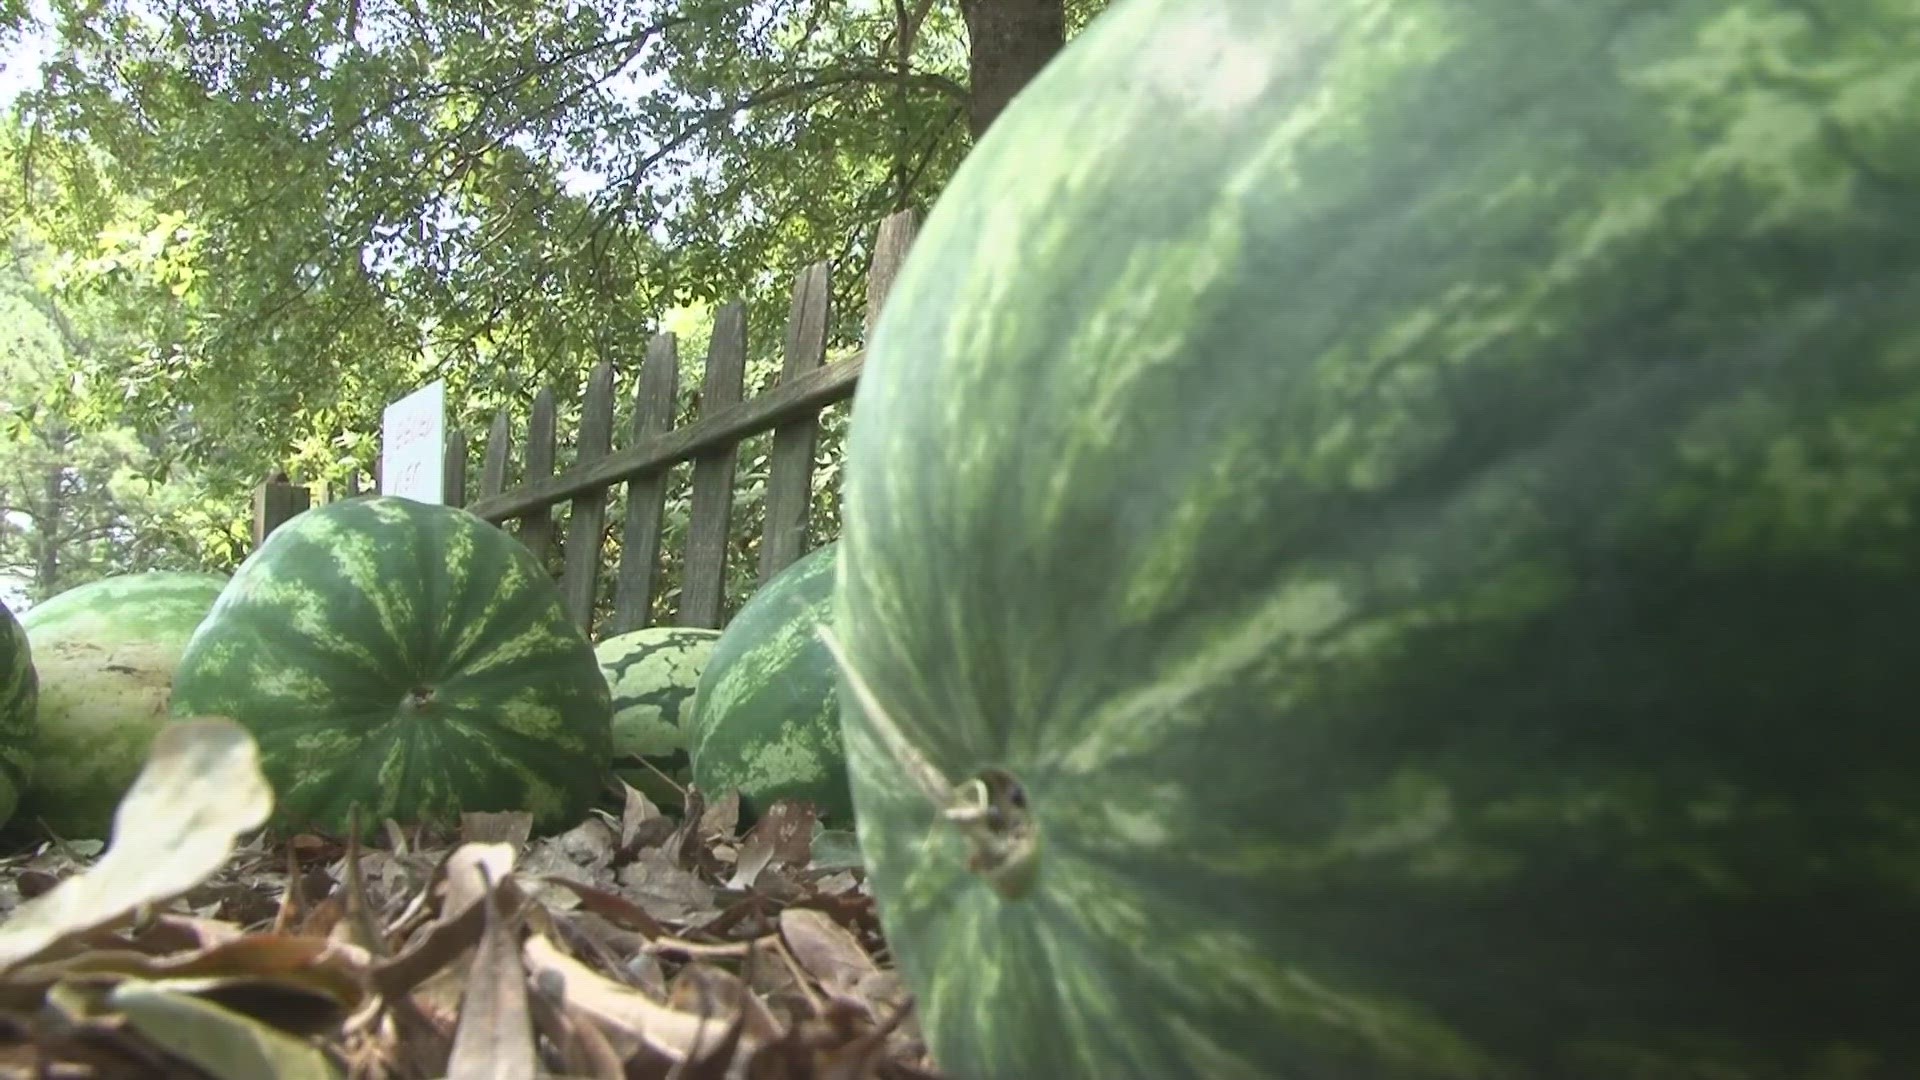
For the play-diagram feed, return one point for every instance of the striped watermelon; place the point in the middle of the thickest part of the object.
(652, 672)
(107, 652)
(408, 657)
(766, 718)
(19, 697)
(1381, 541)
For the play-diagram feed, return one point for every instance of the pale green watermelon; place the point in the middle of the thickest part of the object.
(106, 654)
(652, 674)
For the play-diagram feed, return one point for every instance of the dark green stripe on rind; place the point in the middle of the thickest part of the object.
(106, 653)
(765, 719)
(652, 673)
(347, 609)
(1425, 494)
(19, 697)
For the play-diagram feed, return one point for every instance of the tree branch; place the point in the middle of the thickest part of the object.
(776, 93)
(76, 343)
(343, 246)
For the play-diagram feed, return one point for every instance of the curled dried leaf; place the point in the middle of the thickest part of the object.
(622, 1012)
(200, 790)
(494, 1039)
(828, 951)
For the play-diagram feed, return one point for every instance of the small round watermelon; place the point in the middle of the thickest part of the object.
(106, 653)
(19, 698)
(407, 657)
(652, 672)
(766, 717)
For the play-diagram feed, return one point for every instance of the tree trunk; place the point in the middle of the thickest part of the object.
(1009, 41)
(46, 536)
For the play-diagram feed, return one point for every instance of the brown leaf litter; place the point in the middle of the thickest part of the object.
(639, 947)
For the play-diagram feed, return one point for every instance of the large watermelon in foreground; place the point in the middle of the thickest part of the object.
(1408, 514)
(653, 673)
(766, 718)
(409, 657)
(106, 653)
(19, 696)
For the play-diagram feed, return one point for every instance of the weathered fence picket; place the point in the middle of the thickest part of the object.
(789, 496)
(588, 519)
(536, 525)
(653, 405)
(274, 502)
(453, 475)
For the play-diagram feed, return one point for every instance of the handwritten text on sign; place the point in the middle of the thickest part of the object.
(413, 434)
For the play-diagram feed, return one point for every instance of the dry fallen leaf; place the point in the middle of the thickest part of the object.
(584, 1050)
(641, 822)
(667, 892)
(494, 1040)
(200, 790)
(624, 1014)
(472, 870)
(610, 905)
(721, 818)
(782, 836)
(297, 983)
(511, 827)
(705, 990)
(433, 950)
(584, 853)
(434, 964)
(663, 948)
(828, 951)
(224, 1044)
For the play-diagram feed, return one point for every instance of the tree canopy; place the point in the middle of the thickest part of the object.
(84, 492)
(290, 214)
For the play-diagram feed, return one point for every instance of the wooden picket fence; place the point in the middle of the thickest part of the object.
(710, 443)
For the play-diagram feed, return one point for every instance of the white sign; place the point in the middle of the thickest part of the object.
(413, 440)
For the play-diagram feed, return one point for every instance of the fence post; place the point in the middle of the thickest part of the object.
(703, 580)
(536, 528)
(654, 397)
(789, 499)
(275, 502)
(493, 470)
(580, 580)
(890, 248)
(453, 469)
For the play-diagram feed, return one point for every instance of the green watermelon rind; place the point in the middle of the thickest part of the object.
(766, 720)
(1423, 494)
(19, 702)
(330, 626)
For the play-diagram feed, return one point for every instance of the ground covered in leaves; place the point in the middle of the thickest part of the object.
(636, 945)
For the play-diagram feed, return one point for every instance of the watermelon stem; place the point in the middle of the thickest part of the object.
(989, 810)
(991, 813)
